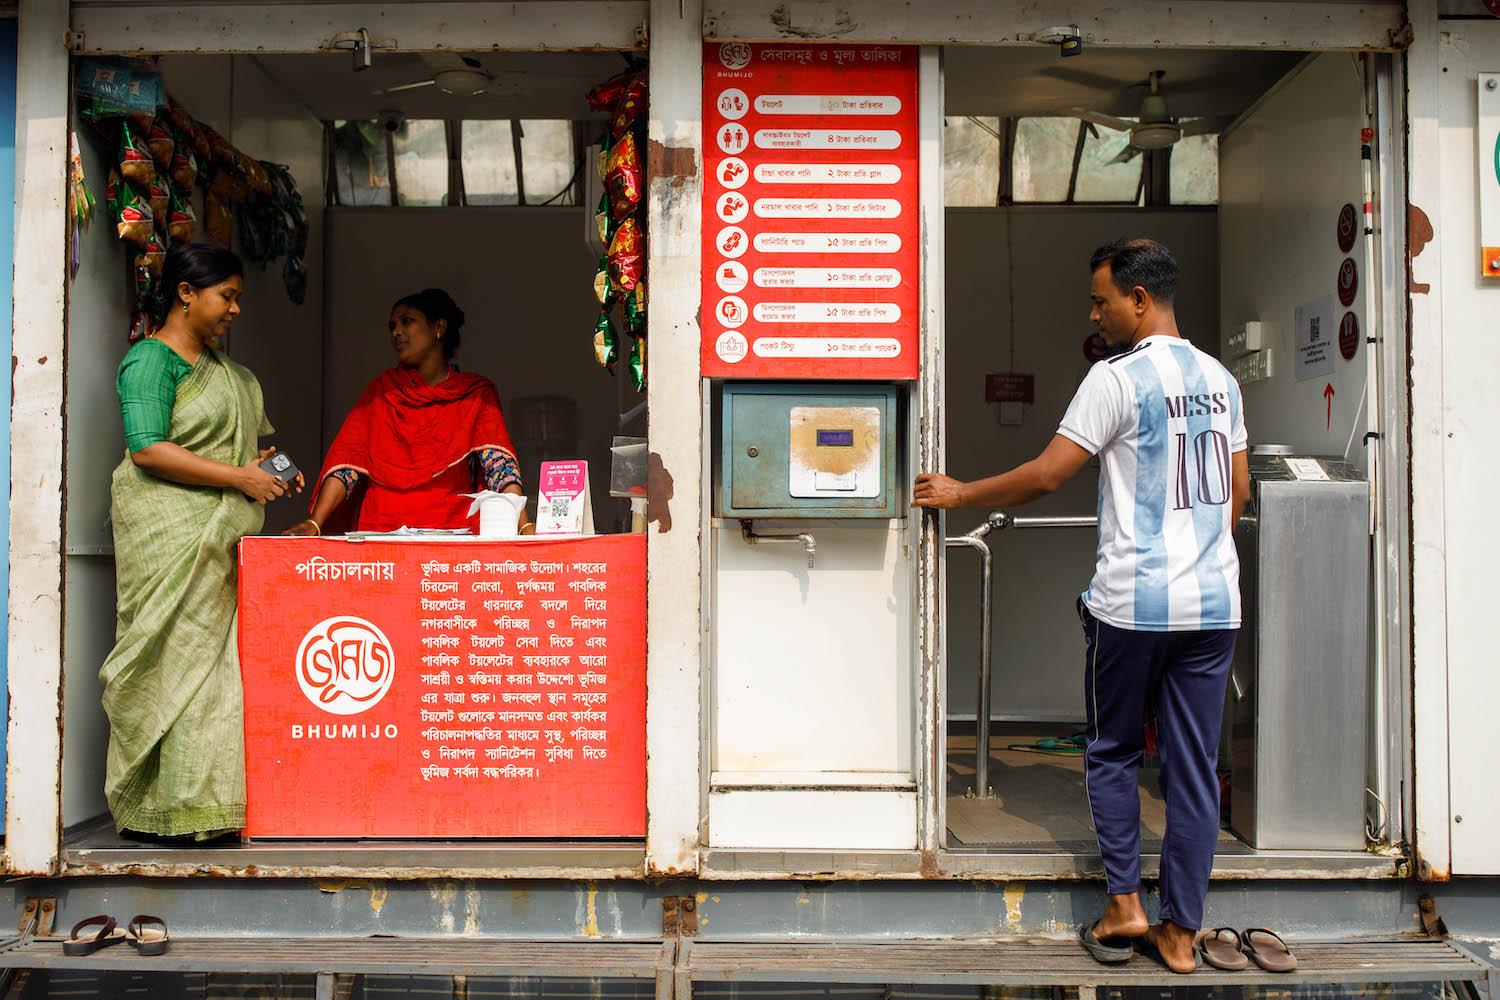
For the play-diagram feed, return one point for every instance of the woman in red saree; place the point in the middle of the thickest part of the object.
(421, 435)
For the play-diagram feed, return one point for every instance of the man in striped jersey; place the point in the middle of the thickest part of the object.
(1162, 612)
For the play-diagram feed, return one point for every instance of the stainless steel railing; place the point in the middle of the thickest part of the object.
(996, 520)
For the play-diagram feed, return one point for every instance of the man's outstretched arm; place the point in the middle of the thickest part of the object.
(1027, 482)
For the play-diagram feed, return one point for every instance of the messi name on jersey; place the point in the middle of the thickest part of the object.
(1202, 405)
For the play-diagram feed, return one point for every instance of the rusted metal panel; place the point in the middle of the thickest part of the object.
(543, 25)
(1301, 26)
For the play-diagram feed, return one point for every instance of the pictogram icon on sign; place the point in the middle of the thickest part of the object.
(345, 665)
(1349, 336)
(1348, 227)
(1348, 282)
(733, 172)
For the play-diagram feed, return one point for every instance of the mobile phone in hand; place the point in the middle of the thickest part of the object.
(281, 466)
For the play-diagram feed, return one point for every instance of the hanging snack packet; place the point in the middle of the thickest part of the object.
(160, 144)
(152, 256)
(635, 311)
(134, 221)
(255, 175)
(603, 290)
(159, 191)
(638, 365)
(623, 179)
(112, 195)
(184, 166)
(606, 344)
(605, 96)
(626, 258)
(220, 151)
(606, 145)
(135, 160)
(604, 220)
(631, 106)
(182, 221)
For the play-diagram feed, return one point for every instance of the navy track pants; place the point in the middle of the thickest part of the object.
(1181, 677)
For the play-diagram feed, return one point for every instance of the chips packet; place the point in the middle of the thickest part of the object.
(604, 291)
(606, 343)
(631, 105)
(153, 255)
(605, 96)
(159, 191)
(604, 220)
(626, 258)
(182, 221)
(134, 221)
(184, 166)
(134, 159)
(635, 310)
(160, 144)
(218, 218)
(623, 178)
(638, 365)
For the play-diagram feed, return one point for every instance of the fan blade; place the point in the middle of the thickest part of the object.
(1082, 78)
(403, 86)
(440, 61)
(1108, 121)
(1204, 126)
(1126, 155)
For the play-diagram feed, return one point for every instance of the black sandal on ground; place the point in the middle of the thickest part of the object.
(108, 934)
(1273, 955)
(1101, 949)
(148, 935)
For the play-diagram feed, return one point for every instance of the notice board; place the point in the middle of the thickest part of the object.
(444, 688)
(811, 256)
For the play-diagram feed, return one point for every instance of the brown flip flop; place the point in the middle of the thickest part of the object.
(1266, 949)
(1221, 948)
(107, 935)
(148, 934)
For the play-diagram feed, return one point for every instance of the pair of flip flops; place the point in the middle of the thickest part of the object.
(1231, 950)
(146, 934)
(1223, 948)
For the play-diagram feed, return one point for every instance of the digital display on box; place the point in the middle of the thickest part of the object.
(836, 439)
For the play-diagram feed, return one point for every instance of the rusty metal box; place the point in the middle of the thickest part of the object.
(808, 450)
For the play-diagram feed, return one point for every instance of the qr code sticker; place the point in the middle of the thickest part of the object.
(561, 506)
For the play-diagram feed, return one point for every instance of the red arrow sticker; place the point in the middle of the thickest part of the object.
(1328, 395)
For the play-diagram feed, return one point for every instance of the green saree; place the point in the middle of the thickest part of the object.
(176, 763)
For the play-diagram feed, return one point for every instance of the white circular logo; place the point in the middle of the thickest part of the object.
(732, 241)
(735, 55)
(733, 138)
(731, 347)
(345, 665)
(731, 276)
(733, 173)
(732, 310)
(734, 104)
(733, 206)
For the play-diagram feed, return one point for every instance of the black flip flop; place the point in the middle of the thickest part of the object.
(108, 934)
(148, 935)
(1150, 949)
(1107, 954)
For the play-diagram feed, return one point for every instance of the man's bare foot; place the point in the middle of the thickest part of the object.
(1124, 917)
(1174, 944)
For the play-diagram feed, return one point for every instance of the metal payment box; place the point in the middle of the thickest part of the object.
(1297, 692)
(808, 451)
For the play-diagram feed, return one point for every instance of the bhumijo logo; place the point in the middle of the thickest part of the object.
(345, 665)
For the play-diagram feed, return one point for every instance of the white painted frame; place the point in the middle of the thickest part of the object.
(34, 738)
(1300, 25)
(674, 598)
(1429, 569)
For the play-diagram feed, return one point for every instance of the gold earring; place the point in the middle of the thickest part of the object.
(184, 308)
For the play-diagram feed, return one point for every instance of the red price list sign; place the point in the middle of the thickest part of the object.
(810, 211)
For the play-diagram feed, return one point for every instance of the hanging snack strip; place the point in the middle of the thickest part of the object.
(162, 155)
(620, 218)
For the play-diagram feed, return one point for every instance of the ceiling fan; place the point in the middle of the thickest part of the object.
(1156, 129)
(460, 76)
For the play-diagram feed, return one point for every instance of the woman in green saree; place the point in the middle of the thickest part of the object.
(189, 488)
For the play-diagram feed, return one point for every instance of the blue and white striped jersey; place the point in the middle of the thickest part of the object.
(1164, 420)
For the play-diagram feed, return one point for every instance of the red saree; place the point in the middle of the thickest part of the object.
(410, 443)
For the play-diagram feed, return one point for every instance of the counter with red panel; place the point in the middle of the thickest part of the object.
(444, 688)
